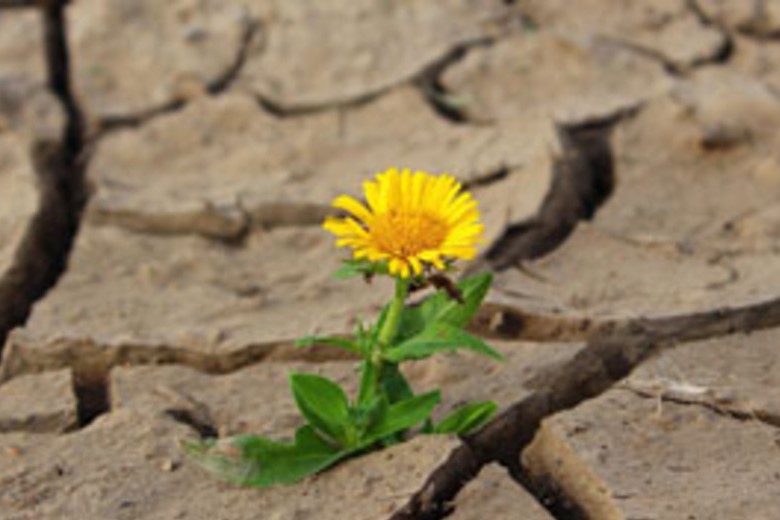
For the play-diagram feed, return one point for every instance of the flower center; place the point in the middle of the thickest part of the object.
(405, 234)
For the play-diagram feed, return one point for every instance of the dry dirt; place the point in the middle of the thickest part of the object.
(625, 154)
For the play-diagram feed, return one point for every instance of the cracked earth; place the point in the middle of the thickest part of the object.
(160, 250)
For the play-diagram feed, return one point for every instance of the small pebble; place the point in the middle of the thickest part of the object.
(13, 451)
(169, 466)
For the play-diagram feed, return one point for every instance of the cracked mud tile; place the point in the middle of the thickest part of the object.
(222, 161)
(138, 298)
(713, 136)
(42, 403)
(17, 184)
(599, 278)
(618, 457)
(757, 59)
(105, 471)
(133, 56)
(361, 48)
(736, 375)
(758, 18)
(551, 75)
(493, 494)
(667, 30)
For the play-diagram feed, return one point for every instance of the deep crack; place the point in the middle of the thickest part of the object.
(59, 166)
(549, 495)
(90, 386)
(583, 179)
(605, 361)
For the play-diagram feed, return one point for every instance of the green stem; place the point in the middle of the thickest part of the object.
(371, 384)
(393, 320)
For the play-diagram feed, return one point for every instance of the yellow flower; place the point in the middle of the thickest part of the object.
(412, 219)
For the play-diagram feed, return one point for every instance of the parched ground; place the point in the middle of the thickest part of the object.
(625, 154)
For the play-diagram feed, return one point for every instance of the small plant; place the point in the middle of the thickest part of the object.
(413, 228)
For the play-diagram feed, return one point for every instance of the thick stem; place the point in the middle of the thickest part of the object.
(393, 320)
(372, 380)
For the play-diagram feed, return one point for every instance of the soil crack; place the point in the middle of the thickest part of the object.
(686, 394)
(755, 27)
(60, 167)
(90, 387)
(605, 361)
(583, 179)
(20, 359)
(252, 29)
(429, 82)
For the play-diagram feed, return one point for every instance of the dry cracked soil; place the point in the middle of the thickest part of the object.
(165, 166)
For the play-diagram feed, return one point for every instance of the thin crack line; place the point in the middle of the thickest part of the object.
(724, 409)
(252, 28)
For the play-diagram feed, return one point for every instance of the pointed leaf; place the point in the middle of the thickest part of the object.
(366, 415)
(359, 267)
(260, 462)
(346, 271)
(324, 404)
(395, 384)
(403, 415)
(440, 307)
(438, 337)
(467, 418)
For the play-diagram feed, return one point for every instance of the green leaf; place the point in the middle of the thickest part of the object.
(440, 307)
(260, 462)
(362, 267)
(310, 341)
(403, 415)
(366, 415)
(395, 383)
(362, 338)
(467, 418)
(368, 377)
(346, 271)
(437, 337)
(324, 404)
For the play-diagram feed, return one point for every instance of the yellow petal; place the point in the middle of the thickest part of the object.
(392, 189)
(344, 227)
(354, 207)
(373, 196)
(417, 267)
(433, 257)
(395, 266)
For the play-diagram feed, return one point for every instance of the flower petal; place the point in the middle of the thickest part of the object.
(354, 207)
